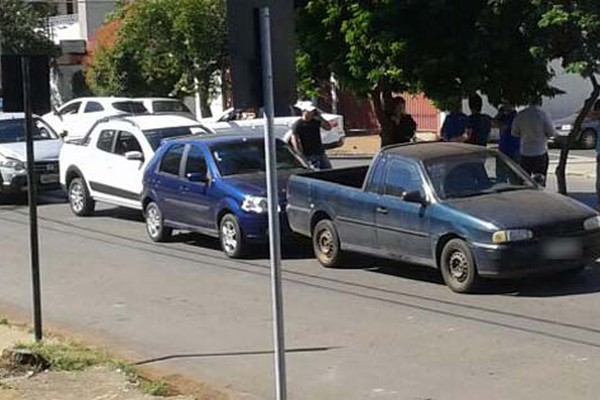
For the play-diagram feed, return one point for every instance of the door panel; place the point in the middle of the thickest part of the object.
(168, 182)
(356, 220)
(196, 204)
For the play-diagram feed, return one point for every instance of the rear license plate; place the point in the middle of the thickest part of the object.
(49, 178)
(563, 249)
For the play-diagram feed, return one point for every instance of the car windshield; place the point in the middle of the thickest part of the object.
(248, 156)
(156, 136)
(13, 130)
(475, 175)
(170, 106)
(133, 107)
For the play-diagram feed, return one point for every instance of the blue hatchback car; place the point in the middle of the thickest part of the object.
(216, 186)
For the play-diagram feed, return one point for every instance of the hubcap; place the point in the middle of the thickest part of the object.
(588, 140)
(153, 221)
(77, 197)
(459, 266)
(229, 237)
(325, 243)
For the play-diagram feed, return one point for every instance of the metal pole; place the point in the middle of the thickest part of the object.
(32, 197)
(274, 237)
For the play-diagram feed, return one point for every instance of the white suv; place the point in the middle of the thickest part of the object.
(108, 163)
(75, 118)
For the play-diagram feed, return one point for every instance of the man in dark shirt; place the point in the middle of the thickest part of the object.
(306, 135)
(479, 125)
(402, 125)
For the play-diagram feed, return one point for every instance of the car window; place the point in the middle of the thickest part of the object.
(126, 142)
(376, 181)
(133, 107)
(13, 130)
(156, 136)
(169, 106)
(105, 140)
(70, 109)
(93, 106)
(195, 162)
(401, 178)
(171, 160)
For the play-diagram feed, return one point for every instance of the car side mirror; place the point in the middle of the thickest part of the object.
(197, 177)
(63, 134)
(415, 197)
(540, 179)
(134, 156)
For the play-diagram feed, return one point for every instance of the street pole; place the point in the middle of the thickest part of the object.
(274, 236)
(32, 198)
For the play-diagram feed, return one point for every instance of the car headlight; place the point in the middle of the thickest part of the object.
(591, 224)
(255, 204)
(566, 127)
(511, 235)
(11, 163)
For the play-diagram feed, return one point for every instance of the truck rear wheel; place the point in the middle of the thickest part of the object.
(326, 244)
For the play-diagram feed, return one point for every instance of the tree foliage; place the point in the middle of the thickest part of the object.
(22, 29)
(160, 49)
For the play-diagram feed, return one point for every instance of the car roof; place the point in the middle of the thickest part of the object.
(218, 138)
(156, 121)
(426, 151)
(157, 99)
(102, 99)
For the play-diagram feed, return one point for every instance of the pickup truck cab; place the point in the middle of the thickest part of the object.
(107, 164)
(463, 209)
(215, 185)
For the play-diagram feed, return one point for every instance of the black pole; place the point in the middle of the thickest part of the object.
(32, 198)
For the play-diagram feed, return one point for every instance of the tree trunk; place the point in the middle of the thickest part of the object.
(381, 97)
(205, 100)
(564, 152)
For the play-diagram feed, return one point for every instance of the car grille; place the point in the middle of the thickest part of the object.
(564, 228)
(46, 167)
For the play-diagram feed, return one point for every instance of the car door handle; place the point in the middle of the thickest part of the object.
(184, 188)
(381, 210)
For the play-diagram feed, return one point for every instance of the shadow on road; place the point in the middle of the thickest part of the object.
(19, 200)
(127, 214)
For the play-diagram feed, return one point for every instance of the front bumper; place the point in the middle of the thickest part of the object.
(256, 226)
(18, 184)
(516, 260)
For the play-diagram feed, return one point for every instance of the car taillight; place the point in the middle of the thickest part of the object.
(334, 124)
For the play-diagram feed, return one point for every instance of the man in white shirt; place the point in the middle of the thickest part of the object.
(534, 126)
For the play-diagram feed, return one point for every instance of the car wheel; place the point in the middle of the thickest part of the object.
(458, 266)
(80, 200)
(326, 244)
(588, 139)
(155, 224)
(231, 237)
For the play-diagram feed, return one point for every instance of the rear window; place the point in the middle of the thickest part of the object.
(170, 106)
(133, 107)
(156, 136)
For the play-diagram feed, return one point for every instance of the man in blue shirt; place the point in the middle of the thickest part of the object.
(508, 144)
(454, 128)
(480, 125)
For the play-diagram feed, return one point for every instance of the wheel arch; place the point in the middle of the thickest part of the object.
(72, 173)
(441, 243)
(317, 217)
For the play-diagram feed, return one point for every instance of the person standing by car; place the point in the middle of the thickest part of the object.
(306, 135)
(480, 125)
(508, 144)
(403, 126)
(534, 126)
(454, 128)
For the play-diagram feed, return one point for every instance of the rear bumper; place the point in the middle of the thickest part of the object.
(335, 145)
(526, 259)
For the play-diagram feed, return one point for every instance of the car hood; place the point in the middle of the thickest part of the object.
(522, 208)
(255, 184)
(44, 150)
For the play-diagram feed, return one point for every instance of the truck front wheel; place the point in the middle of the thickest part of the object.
(326, 244)
(80, 200)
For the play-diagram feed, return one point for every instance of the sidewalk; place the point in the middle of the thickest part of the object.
(368, 146)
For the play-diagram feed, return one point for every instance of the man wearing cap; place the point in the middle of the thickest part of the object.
(306, 135)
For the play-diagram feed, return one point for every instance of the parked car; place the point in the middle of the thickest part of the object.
(462, 209)
(217, 186)
(108, 163)
(158, 105)
(587, 137)
(75, 118)
(13, 154)
(233, 121)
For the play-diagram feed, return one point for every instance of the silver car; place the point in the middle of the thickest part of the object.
(13, 154)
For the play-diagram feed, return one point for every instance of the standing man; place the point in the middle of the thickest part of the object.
(403, 126)
(454, 128)
(534, 126)
(508, 144)
(306, 135)
(480, 125)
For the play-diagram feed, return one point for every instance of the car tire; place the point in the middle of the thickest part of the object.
(326, 244)
(155, 224)
(588, 139)
(80, 200)
(231, 237)
(458, 266)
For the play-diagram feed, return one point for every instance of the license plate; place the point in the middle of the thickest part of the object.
(563, 249)
(49, 178)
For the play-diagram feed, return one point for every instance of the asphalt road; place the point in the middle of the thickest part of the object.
(373, 330)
